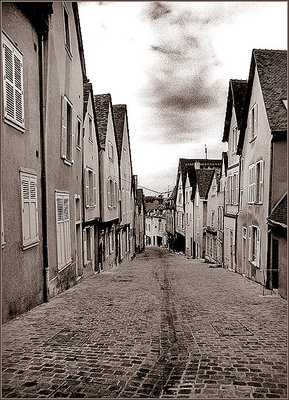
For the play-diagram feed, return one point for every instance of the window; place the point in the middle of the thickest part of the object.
(90, 187)
(67, 137)
(29, 209)
(212, 218)
(77, 209)
(254, 245)
(259, 182)
(234, 139)
(112, 193)
(78, 134)
(90, 128)
(180, 197)
(110, 151)
(251, 186)
(241, 199)
(253, 121)
(13, 84)
(66, 29)
(111, 242)
(255, 187)
(63, 229)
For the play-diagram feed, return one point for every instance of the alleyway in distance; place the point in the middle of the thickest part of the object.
(161, 325)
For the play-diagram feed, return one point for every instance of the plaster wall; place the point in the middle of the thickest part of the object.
(279, 171)
(256, 214)
(22, 271)
(64, 77)
(91, 160)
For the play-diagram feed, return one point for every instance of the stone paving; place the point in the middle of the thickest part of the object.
(160, 326)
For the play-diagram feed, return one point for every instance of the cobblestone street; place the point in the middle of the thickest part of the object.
(161, 325)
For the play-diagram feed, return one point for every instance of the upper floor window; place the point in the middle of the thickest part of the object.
(78, 134)
(112, 193)
(67, 135)
(234, 139)
(90, 187)
(30, 234)
(110, 151)
(13, 84)
(253, 121)
(90, 128)
(255, 186)
(180, 197)
(66, 29)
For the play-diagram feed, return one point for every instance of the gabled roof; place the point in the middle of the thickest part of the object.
(101, 103)
(279, 213)
(204, 179)
(87, 89)
(119, 112)
(236, 98)
(272, 71)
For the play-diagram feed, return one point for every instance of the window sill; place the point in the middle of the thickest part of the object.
(65, 266)
(252, 140)
(90, 141)
(29, 246)
(14, 124)
(68, 52)
(254, 264)
(78, 147)
(87, 206)
(68, 162)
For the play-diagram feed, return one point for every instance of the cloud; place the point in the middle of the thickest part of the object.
(183, 80)
(157, 10)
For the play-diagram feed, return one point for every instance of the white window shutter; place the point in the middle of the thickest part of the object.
(261, 180)
(258, 258)
(73, 133)
(91, 256)
(33, 210)
(250, 242)
(255, 119)
(8, 81)
(86, 187)
(25, 210)
(63, 229)
(108, 193)
(84, 246)
(64, 128)
(18, 80)
(94, 188)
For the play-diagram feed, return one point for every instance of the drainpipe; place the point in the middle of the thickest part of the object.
(43, 167)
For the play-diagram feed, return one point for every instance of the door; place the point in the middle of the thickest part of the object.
(79, 268)
(231, 251)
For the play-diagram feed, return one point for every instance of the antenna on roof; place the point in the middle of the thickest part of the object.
(206, 152)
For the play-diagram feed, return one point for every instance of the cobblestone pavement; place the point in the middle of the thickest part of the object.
(161, 325)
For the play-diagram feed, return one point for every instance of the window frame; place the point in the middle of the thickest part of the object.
(110, 151)
(253, 122)
(65, 236)
(259, 182)
(12, 120)
(32, 240)
(79, 129)
(67, 131)
(66, 27)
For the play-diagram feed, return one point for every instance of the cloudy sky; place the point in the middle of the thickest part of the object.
(171, 62)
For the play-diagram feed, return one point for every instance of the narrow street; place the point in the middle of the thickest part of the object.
(159, 326)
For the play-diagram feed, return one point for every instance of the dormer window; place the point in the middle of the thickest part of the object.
(110, 151)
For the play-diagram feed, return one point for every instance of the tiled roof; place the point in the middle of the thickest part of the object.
(87, 87)
(119, 112)
(272, 71)
(236, 97)
(101, 103)
(279, 213)
(204, 179)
